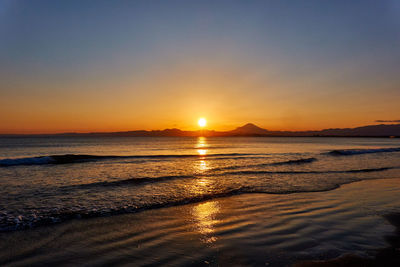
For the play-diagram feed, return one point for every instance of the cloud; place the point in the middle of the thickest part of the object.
(387, 121)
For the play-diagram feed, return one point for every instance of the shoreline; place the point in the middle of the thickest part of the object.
(275, 229)
(389, 256)
(65, 218)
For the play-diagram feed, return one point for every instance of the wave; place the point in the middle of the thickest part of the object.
(311, 172)
(25, 161)
(9, 222)
(295, 161)
(78, 158)
(349, 152)
(144, 180)
(280, 163)
(132, 181)
(24, 222)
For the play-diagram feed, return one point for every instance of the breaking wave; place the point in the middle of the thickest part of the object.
(349, 152)
(287, 162)
(133, 181)
(10, 222)
(296, 161)
(77, 158)
(143, 180)
(311, 172)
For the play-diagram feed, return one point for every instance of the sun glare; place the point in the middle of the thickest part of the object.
(202, 122)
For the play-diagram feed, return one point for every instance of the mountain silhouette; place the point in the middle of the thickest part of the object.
(249, 129)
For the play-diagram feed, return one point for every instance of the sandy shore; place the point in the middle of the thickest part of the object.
(389, 256)
(250, 229)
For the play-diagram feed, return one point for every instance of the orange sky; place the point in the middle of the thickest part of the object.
(176, 97)
(148, 66)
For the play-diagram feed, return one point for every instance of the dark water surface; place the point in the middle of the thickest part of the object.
(48, 180)
(241, 230)
(194, 201)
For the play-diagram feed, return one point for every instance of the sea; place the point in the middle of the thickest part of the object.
(50, 180)
(186, 201)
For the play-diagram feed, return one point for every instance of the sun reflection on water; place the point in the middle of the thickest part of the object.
(201, 142)
(202, 152)
(201, 146)
(204, 215)
(202, 166)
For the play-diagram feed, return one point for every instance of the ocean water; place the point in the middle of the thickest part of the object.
(44, 181)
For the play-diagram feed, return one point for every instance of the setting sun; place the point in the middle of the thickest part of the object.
(202, 122)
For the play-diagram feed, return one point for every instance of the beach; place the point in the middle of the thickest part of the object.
(242, 230)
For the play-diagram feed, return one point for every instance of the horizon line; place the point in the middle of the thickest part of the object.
(198, 130)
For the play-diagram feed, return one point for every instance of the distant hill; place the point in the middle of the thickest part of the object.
(250, 129)
(370, 130)
(382, 130)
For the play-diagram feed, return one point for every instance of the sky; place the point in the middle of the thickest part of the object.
(84, 66)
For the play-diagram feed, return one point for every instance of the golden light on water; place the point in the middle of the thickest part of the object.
(204, 215)
(201, 146)
(201, 142)
(202, 152)
(202, 122)
(202, 166)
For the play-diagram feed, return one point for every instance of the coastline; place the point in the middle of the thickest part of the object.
(389, 256)
(249, 229)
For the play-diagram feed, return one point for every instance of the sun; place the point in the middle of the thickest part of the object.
(202, 122)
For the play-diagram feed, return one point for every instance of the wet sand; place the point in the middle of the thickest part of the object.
(319, 228)
(389, 256)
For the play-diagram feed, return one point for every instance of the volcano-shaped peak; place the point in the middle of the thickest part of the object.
(250, 128)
